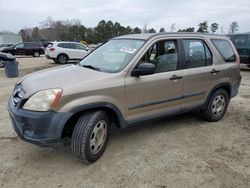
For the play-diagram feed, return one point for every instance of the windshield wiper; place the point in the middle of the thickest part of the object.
(91, 67)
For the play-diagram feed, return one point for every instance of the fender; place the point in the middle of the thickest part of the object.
(224, 84)
(110, 106)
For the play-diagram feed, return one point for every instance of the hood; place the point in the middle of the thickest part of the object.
(6, 48)
(59, 77)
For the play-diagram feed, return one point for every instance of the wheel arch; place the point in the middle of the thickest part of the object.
(62, 53)
(114, 112)
(226, 86)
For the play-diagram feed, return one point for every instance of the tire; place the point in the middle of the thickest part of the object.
(36, 54)
(86, 131)
(55, 60)
(216, 106)
(62, 59)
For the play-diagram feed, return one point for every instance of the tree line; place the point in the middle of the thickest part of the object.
(73, 30)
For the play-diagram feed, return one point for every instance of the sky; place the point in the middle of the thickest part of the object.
(18, 14)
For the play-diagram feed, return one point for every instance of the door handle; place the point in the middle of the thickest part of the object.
(214, 71)
(175, 77)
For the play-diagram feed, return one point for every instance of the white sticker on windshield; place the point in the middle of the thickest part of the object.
(127, 50)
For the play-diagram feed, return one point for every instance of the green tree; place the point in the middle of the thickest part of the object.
(129, 30)
(162, 30)
(35, 36)
(214, 27)
(203, 27)
(152, 30)
(189, 29)
(234, 27)
(136, 30)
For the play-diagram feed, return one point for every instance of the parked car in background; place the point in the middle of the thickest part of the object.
(92, 46)
(26, 48)
(242, 44)
(128, 80)
(5, 45)
(62, 52)
(4, 57)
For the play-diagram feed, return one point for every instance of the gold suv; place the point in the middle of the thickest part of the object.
(125, 81)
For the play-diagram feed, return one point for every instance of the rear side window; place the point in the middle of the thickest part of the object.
(64, 45)
(197, 53)
(20, 45)
(225, 49)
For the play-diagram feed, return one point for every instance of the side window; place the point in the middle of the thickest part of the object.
(197, 54)
(62, 45)
(80, 47)
(71, 46)
(163, 55)
(21, 45)
(225, 49)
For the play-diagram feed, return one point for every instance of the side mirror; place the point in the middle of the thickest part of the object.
(143, 69)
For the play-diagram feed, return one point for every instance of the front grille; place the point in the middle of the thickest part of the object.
(17, 95)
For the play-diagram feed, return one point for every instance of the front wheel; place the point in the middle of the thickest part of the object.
(216, 106)
(36, 54)
(90, 136)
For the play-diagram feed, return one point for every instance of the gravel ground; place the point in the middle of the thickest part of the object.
(182, 151)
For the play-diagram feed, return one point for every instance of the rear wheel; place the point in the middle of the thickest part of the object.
(216, 106)
(62, 59)
(36, 54)
(90, 136)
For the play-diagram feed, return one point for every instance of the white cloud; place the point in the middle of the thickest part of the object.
(16, 14)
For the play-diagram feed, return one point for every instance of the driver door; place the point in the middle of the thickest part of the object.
(160, 93)
(19, 49)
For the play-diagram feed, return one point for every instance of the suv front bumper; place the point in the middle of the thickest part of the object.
(40, 128)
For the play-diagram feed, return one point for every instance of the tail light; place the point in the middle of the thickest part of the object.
(51, 49)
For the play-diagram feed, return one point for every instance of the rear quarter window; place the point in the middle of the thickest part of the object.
(225, 49)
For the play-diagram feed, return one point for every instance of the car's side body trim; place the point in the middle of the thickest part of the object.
(150, 103)
(161, 115)
(110, 106)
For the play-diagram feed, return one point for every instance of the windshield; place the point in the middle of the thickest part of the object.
(112, 56)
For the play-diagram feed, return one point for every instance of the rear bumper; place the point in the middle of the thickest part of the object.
(48, 57)
(40, 128)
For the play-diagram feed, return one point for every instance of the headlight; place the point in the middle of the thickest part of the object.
(43, 100)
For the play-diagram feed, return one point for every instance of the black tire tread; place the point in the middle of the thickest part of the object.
(207, 114)
(80, 135)
(58, 58)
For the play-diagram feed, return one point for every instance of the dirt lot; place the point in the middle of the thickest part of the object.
(183, 151)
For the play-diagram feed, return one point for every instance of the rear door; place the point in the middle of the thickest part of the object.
(62, 48)
(160, 93)
(198, 75)
(77, 51)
